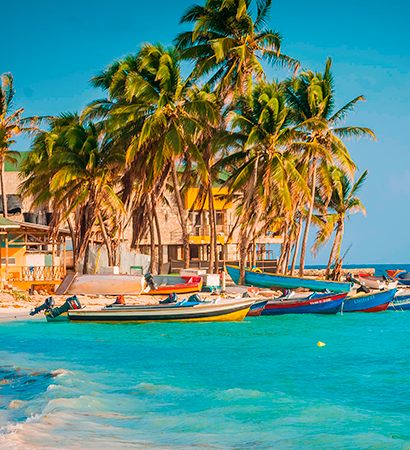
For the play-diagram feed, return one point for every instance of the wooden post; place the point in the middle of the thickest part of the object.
(7, 257)
(1, 268)
(53, 260)
(65, 257)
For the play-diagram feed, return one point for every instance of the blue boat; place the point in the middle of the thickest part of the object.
(329, 304)
(256, 309)
(274, 281)
(372, 302)
(400, 303)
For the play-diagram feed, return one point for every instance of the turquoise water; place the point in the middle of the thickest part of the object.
(260, 384)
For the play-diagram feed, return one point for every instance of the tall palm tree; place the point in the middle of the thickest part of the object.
(173, 118)
(263, 164)
(229, 44)
(312, 97)
(11, 125)
(343, 203)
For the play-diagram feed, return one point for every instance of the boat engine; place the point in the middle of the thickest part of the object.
(70, 303)
(46, 306)
(362, 288)
(172, 298)
(150, 281)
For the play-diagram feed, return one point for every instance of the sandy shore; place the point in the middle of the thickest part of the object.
(14, 307)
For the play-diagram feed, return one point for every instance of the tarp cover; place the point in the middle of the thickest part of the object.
(14, 204)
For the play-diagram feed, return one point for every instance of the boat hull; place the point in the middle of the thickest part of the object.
(273, 281)
(369, 302)
(400, 303)
(325, 305)
(175, 285)
(227, 312)
(107, 285)
(256, 309)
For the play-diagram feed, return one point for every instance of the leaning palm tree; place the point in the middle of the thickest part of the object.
(11, 125)
(74, 167)
(343, 203)
(229, 44)
(312, 97)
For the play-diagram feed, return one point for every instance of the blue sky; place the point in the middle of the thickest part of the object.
(54, 48)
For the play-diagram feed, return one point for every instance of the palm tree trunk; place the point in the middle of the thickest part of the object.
(74, 244)
(288, 250)
(160, 250)
(152, 266)
(308, 220)
(3, 189)
(182, 215)
(332, 252)
(245, 240)
(283, 247)
(86, 257)
(296, 249)
(339, 246)
(213, 249)
(105, 238)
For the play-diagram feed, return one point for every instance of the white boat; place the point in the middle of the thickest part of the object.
(233, 310)
(373, 282)
(106, 285)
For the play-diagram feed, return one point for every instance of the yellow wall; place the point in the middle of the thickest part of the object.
(206, 240)
(191, 199)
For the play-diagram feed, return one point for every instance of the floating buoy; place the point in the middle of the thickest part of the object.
(321, 344)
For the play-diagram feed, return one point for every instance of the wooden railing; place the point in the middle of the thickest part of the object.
(36, 273)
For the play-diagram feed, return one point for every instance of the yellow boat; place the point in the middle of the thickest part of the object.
(221, 310)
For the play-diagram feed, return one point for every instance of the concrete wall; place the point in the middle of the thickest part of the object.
(128, 260)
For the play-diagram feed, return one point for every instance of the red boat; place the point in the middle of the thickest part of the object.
(174, 284)
(313, 304)
(256, 309)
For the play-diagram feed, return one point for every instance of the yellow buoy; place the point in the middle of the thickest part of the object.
(321, 344)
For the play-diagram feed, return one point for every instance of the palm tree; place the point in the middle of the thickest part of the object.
(74, 167)
(229, 44)
(343, 203)
(11, 125)
(173, 117)
(312, 97)
(263, 165)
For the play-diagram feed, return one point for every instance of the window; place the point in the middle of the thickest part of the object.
(220, 217)
(12, 261)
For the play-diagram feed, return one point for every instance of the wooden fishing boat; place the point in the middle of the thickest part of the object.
(174, 284)
(256, 309)
(373, 302)
(275, 281)
(322, 304)
(373, 282)
(225, 311)
(402, 276)
(106, 285)
(400, 302)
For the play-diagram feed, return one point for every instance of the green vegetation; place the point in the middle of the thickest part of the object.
(279, 142)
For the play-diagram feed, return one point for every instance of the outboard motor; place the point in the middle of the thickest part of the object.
(195, 298)
(362, 287)
(150, 281)
(46, 306)
(172, 298)
(70, 303)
